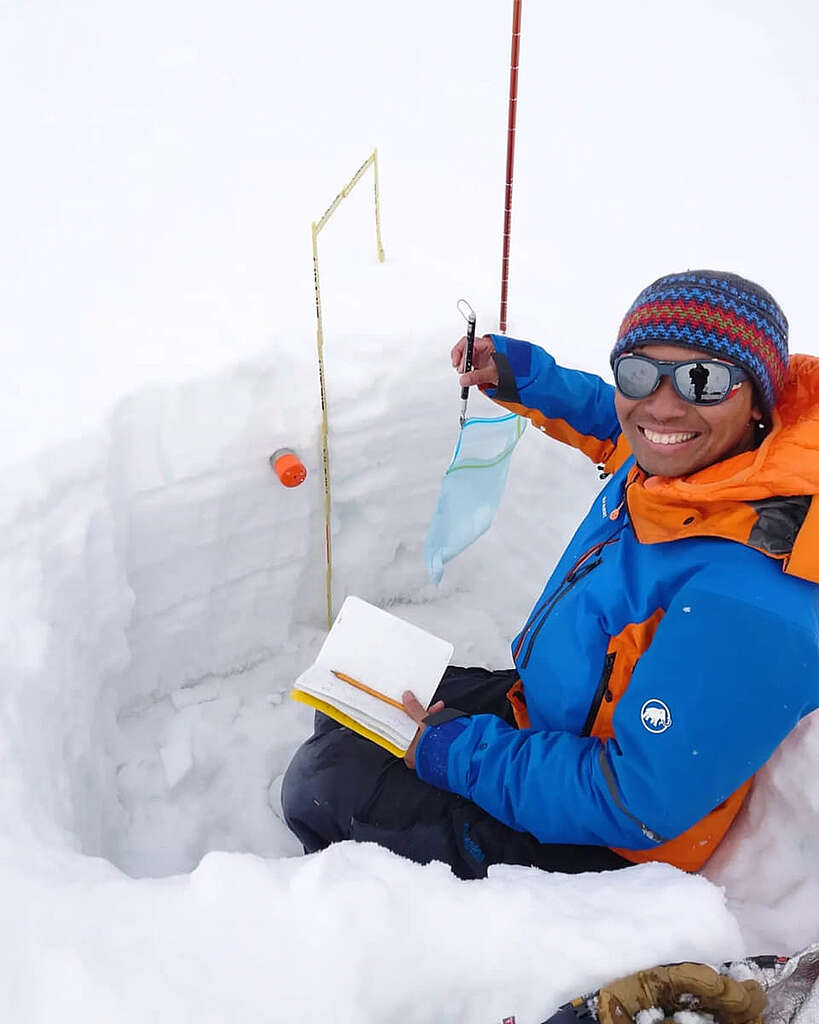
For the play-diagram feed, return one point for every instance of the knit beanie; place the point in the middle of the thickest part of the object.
(715, 312)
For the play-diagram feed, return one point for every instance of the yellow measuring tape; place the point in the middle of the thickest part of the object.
(372, 159)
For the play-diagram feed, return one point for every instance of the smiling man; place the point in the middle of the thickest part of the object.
(675, 644)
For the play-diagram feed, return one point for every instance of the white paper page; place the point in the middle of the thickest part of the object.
(383, 652)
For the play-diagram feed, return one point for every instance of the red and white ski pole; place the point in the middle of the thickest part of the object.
(510, 159)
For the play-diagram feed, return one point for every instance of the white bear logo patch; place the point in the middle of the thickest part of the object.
(655, 716)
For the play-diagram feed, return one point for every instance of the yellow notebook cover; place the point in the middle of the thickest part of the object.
(351, 723)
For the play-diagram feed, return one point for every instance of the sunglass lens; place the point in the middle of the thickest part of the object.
(702, 382)
(636, 377)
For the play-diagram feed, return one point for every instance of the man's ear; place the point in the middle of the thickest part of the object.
(760, 422)
(756, 407)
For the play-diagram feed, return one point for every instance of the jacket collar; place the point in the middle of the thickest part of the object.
(728, 499)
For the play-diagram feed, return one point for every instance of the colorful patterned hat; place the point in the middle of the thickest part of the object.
(716, 312)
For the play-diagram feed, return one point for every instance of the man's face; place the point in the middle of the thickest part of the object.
(672, 437)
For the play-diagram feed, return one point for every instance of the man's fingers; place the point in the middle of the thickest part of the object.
(481, 352)
(485, 375)
(413, 706)
(415, 709)
(418, 713)
(457, 354)
(483, 349)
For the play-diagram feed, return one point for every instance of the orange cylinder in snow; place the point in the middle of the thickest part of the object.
(289, 467)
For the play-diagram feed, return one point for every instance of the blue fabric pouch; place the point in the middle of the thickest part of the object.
(472, 488)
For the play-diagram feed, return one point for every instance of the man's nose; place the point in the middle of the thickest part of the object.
(665, 403)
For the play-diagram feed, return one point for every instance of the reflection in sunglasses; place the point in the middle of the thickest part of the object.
(702, 382)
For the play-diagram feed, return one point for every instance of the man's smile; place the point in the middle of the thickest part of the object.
(665, 438)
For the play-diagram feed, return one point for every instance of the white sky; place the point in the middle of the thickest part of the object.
(164, 161)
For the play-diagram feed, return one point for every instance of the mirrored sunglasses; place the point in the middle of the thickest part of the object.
(701, 381)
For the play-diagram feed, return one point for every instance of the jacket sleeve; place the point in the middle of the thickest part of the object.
(574, 407)
(548, 783)
(734, 677)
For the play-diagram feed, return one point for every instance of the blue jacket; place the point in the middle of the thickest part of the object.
(674, 646)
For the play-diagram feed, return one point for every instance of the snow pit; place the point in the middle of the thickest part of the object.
(161, 592)
(158, 582)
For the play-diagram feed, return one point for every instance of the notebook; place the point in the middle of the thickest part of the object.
(370, 657)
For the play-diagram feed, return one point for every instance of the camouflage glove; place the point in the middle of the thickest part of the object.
(681, 987)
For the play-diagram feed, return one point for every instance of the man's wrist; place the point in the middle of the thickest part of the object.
(432, 752)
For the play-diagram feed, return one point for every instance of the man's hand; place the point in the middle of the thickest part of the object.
(483, 370)
(417, 713)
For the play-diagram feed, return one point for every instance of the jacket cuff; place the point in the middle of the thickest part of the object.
(507, 389)
(444, 715)
(432, 752)
(513, 359)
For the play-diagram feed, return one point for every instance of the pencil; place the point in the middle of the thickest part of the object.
(366, 689)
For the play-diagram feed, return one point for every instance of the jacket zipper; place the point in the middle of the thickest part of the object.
(582, 567)
(561, 592)
(601, 691)
(592, 551)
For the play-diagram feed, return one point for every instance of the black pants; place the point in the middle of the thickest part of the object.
(341, 786)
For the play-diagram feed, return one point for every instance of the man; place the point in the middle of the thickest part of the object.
(676, 643)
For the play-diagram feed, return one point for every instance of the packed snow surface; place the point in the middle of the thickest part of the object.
(160, 590)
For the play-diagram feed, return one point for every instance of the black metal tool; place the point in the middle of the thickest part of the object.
(468, 313)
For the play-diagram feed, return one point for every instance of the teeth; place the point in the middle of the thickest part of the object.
(666, 438)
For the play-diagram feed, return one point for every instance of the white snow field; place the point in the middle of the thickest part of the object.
(160, 590)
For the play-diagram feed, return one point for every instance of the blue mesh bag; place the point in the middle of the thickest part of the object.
(472, 488)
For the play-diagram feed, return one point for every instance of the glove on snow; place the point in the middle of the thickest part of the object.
(677, 987)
